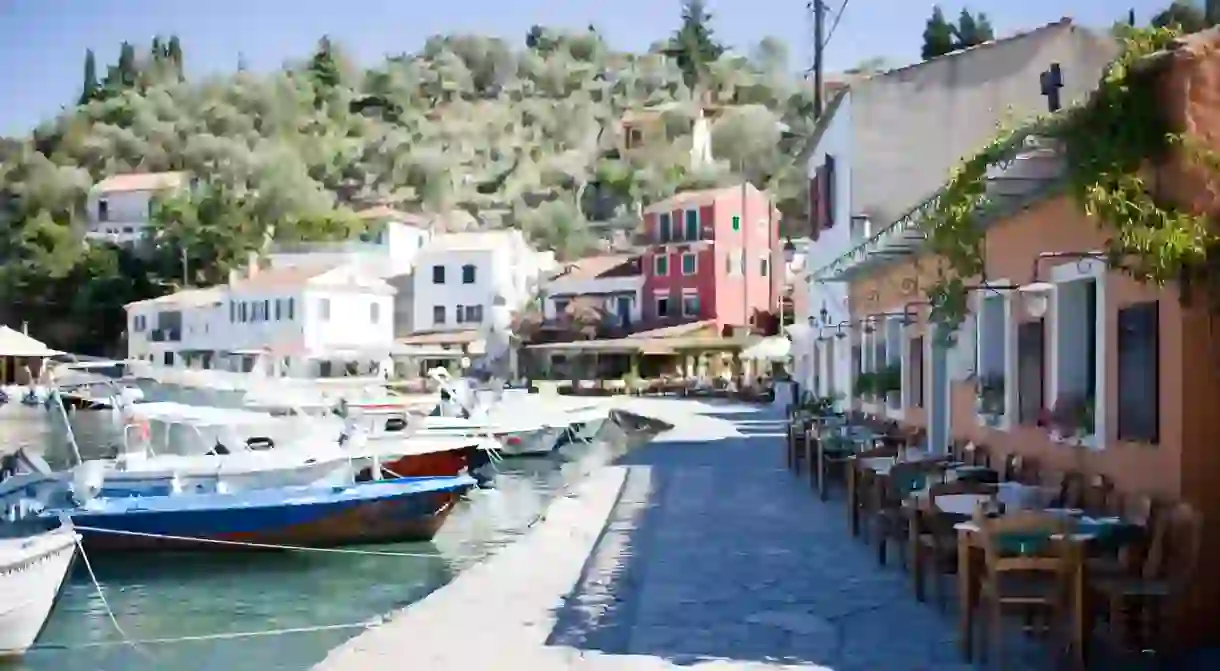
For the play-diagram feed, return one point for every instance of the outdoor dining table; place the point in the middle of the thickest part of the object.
(1077, 544)
(879, 468)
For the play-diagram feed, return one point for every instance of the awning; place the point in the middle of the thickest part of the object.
(18, 344)
(772, 348)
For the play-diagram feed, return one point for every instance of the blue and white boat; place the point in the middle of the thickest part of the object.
(406, 509)
(34, 566)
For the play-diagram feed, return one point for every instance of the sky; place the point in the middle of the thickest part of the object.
(43, 42)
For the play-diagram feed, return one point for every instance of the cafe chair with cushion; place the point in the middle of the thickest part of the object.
(1019, 468)
(831, 456)
(1025, 569)
(936, 542)
(1144, 612)
(865, 479)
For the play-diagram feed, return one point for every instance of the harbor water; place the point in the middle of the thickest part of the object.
(265, 611)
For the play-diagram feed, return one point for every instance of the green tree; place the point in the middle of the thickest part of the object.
(693, 45)
(90, 86)
(1185, 15)
(972, 30)
(937, 35)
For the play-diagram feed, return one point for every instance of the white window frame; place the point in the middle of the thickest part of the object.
(901, 360)
(698, 224)
(689, 293)
(656, 304)
(1066, 273)
(682, 263)
(1009, 344)
(656, 259)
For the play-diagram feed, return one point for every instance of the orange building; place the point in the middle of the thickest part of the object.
(1059, 329)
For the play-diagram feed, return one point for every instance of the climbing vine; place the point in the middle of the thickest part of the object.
(1105, 143)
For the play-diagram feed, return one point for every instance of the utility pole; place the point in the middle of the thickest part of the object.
(819, 26)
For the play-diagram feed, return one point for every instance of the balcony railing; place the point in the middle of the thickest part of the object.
(165, 335)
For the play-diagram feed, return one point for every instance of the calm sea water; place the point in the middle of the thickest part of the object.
(221, 599)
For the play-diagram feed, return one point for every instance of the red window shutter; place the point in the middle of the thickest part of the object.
(828, 174)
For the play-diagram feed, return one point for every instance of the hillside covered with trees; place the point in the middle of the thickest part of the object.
(474, 130)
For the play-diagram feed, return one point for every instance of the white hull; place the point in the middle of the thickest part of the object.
(234, 472)
(32, 570)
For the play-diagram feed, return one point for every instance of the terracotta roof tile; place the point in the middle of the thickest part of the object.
(378, 212)
(462, 337)
(698, 198)
(594, 266)
(186, 297)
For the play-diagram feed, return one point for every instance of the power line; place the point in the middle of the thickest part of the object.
(834, 24)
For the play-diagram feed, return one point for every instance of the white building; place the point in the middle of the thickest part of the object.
(883, 147)
(459, 275)
(386, 248)
(119, 208)
(310, 321)
(611, 282)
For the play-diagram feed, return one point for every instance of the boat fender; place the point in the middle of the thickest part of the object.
(87, 480)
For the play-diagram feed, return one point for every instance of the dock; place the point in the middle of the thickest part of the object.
(698, 550)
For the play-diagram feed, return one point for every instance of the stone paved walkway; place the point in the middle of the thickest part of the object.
(699, 550)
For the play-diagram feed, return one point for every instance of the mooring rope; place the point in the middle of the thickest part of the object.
(259, 546)
(220, 636)
(101, 595)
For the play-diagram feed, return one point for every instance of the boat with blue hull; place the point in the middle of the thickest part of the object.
(406, 509)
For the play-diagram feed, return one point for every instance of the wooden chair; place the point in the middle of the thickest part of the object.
(1026, 568)
(1019, 468)
(1126, 560)
(936, 543)
(1154, 598)
(974, 454)
(1070, 487)
(864, 480)
(826, 462)
(890, 492)
(1099, 497)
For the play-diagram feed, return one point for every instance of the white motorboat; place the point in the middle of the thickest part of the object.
(33, 570)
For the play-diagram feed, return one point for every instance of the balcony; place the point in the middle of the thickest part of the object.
(165, 335)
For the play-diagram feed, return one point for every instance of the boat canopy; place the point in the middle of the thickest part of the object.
(170, 412)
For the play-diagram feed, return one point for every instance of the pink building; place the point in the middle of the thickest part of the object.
(711, 259)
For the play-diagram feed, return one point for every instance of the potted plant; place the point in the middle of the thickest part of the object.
(989, 392)
(1072, 418)
(865, 385)
(889, 380)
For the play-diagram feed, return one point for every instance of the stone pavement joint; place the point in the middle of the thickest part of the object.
(699, 549)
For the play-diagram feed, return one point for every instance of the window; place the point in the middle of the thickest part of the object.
(374, 313)
(266, 310)
(103, 210)
(662, 306)
(138, 323)
(692, 224)
(468, 274)
(279, 309)
(324, 309)
(1139, 383)
(764, 266)
(232, 312)
(915, 373)
(660, 265)
(690, 305)
(664, 228)
(1030, 371)
(438, 314)
(736, 223)
(438, 274)
(168, 358)
(1076, 344)
(561, 306)
(256, 311)
(245, 312)
(690, 263)
(459, 314)
(635, 138)
(291, 306)
(474, 314)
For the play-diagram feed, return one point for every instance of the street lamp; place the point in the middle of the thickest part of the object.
(789, 252)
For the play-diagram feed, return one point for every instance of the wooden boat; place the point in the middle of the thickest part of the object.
(406, 509)
(33, 570)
